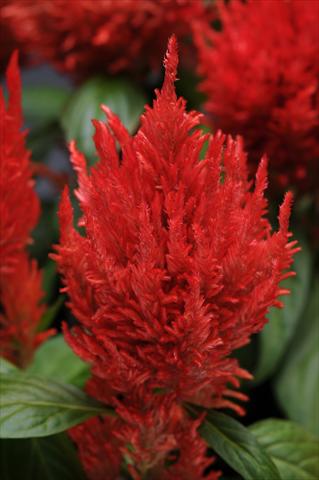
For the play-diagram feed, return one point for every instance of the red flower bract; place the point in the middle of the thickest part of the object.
(176, 269)
(86, 36)
(260, 74)
(20, 281)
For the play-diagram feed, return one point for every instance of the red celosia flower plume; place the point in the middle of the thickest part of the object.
(261, 81)
(19, 205)
(20, 281)
(177, 268)
(86, 36)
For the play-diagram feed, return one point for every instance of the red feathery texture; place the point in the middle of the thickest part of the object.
(260, 74)
(20, 281)
(154, 437)
(85, 36)
(177, 266)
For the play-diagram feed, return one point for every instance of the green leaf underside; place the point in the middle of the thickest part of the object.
(282, 323)
(32, 407)
(51, 360)
(123, 98)
(7, 367)
(237, 446)
(297, 385)
(293, 450)
(48, 458)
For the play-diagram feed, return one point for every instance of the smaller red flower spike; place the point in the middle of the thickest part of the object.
(177, 267)
(19, 205)
(85, 36)
(20, 280)
(261, 81)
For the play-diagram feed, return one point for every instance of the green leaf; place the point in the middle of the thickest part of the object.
(294, 451)
(46, 232)
(50, 277)
(54, 359)
(48, 458)
(297, 385)
(237, 446)
(43, 104)
(7, 367)
(120, 95)
(277, 334)
(50, 314)
(34, 407)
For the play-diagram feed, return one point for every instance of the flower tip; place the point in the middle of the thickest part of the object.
(105, 109)
(14, 87)
(284, 212)
(171, 62)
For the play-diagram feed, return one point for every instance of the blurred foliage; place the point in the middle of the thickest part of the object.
(124, 99)
(48, 458)
(297, 385)
(275, 337)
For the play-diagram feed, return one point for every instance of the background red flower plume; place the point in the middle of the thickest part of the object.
(176, 269)
(20, 280)
(84, 36)
(260, 74)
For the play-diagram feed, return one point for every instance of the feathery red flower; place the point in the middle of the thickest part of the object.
(82, 37)
(176, 268)
(155, 438)
(20, 281)
(19, 205)
(260, 74)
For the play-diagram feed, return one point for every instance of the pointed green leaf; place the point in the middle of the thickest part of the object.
(294, 451)
(47, 458)
(277, 334)
(55, 360)
(50, 314)
(237, 446)
(120, 95)
(297, 385)
(34, 407)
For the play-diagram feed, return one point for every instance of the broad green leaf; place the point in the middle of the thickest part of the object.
(55, 360)
(43, 104)
(297, 385)
(48, 458)
(237, 446)
(277, 334)
(7, 367)
(35, 407)
(294, 451)
(120, 95)
(50, 314)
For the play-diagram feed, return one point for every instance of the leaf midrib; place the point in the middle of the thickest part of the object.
(236, 445)
(33, 403)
